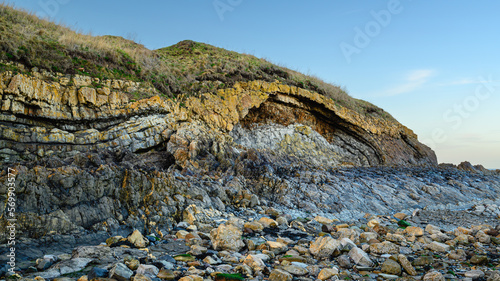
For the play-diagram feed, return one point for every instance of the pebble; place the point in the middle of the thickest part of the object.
(121, 272)
(433, 276)
(438, 247)
(406, 265)
(296, 270)
(391, 267)
(280, 275)
(327, 273)
(474, 274)
(385, 247)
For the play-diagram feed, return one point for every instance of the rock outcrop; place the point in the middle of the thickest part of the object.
(88, 158)
(84, 114)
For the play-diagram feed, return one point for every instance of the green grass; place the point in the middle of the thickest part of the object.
(229, 277)
(403, 224)
(183, 255)
(184, 69)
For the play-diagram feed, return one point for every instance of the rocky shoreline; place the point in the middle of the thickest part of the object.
(260, 179)
(265, 243)
(258, 236)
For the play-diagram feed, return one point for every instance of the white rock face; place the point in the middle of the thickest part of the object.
(298, 140)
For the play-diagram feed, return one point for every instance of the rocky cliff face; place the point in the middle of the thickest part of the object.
(89, 157)
(82, 114)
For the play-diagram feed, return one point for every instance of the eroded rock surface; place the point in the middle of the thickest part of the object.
(89, 160)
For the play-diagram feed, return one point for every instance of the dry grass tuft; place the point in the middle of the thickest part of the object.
(186, 68)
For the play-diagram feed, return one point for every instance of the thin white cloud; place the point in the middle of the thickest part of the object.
(413, 80)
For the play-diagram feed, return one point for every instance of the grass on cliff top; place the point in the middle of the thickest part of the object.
(184, 69)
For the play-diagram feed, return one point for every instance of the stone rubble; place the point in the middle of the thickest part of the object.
(229, 249)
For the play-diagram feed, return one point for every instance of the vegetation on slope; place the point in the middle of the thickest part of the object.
(186, 68)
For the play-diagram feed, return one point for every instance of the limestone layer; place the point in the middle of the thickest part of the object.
(69, 115)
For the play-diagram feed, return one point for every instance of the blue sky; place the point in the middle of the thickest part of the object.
(433, 66)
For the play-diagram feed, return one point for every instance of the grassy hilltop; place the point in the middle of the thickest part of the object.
(186, 68)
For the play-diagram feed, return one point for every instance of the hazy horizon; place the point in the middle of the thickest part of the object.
(433, 66)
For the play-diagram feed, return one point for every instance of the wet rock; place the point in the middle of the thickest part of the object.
(282, 222)
(323, 247)
(346, 244)
(483, 237)
(344, 261)
(433, 276)
(254, 225)
(296, 270)
(391, 267)
(327, 273)
(474, 274)
(458, 254)
(432, 229)
(141, 277)
(172, 248)
(385, 247)
(255, 262)
(120, 272)
(438, 247)
(131, 263)
(137, 239)
(148, 270)
(65, 267)
(462, 239)
(423, 260)
(388, 276)
(495, 240)
(227, 237)
(406, 265)
(400, 216)
(367, 236)
(323, 220)
(414, 230)
(267, 222)
(276, 247)
(494, 276)
(360, 257)
(184, 258)
(373, 223)
(396, 238)
(166, 274)
(479, 259)
(97, 272)
(280, 275)
(105, 255)
(46, 262)
(462, 230)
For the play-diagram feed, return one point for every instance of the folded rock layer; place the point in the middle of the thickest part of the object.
(88, 157)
